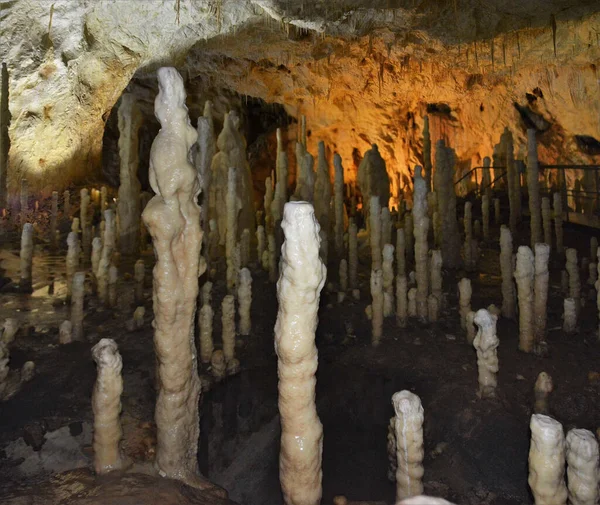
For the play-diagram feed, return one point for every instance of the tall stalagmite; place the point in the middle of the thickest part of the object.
(339, 204)
(173, 220)
(506, 269)
(128, 206)
(373, 178)
(542, 255)
(421, 228)
(206, 147)
(524, 276)
(533, 186)
(322, 192)
(298, 291)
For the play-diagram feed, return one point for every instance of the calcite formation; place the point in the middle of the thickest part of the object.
(77, 296)
(524, 276)
(106, 404)
(486, 343)
(173, 220)
(298, 291)
(582, 467)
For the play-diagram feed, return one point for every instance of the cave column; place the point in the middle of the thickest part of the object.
(128, 207)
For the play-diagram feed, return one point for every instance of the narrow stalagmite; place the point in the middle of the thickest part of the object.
(65, 332)
(582, 467)
(524, 276)
(228, 327)
(67, 204)
(338, 187)
(409, 237)
(77, 295)
(427, 152)
(401, 300)
(412, 302)
(206, 149)
(108, 248)
(435, 265)
(231, 228)
(352, 255)
(298, 290)
(486, 343)
(400, 252)
(464, 300)
(471, 331)
(260, 242)
(96, 253)
(497, 215)
(386, 227)
(506, 269)
(322, 195)
(270, 217)
(205, 324)
(547, 461)
(375, 233)
(570, 315)
(24, 200)
(343, 273)
(84, 221)
(467, 249)
(377, 306)
(113, 277)
(245, 248)
(485, 213)
(541, 390)
(542, 255)
(558, 222)
(53, 219)
(173, 220)
(547, 220)
(533, 186)
(244, 293)
(26, 257)
(139, 274)
(106, 404)
(409, 444)
(421, 229)
(72, 260)
(574, 278)
(388, 280)
(128, 205)
(433, 308)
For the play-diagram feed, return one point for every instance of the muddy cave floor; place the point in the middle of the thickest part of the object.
(475, 450)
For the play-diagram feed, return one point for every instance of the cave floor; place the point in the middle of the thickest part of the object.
(475, 450)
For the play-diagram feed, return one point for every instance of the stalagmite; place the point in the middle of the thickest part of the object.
(533, 186)
(206, 149)
(542, 255)
(542, 389)
(506, 268)
(375, 233)
(96, 253)
(471, 331)
(409, 237)
(511, 180)
(26, 258)
(464, 291)
(77, 296)
(302, 278)
(106, 404)
(108, 248)
(72, 261)
(103, 199)
(592, 274)
(582, 467)
(558, 222)
(272, 258)
(84, 221)
(373, 178)
(352, 255)
(386, 227)
(401, 300)
(485, 213)
(281, 189)
(228, 327)
(497, 216)
(412, 302)
(433, 308)
(245, 301)
(524, 276)
(245, 248)
(547, 461)
(270, 217)
(24, 200)
(139, 274)
(421, 229)
(339, 204)
(53, 219)
(218, 365)
(260, 242)
(128, 205)
(231, 229)
(173, 220)
(113, 275)
(377, 306)
(469, 263)
(388, 280)
(486, 343)
(138, 317)
(547, 220)
(570, 315)
(343, 273)
(409, 444)
(400, 252)
(435, 264)
(67, 204)
(322, 195)
(9, 330)
(205, 324)
(574, 278)
(65, 332)
(427, 152)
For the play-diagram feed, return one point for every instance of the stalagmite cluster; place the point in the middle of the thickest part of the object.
(547, 461)
(106, 404)
(173, 220)
(486, 343)
(524, 277)
(409, 444)
(298, 290)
